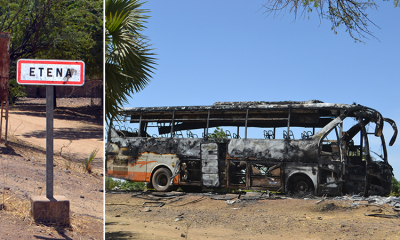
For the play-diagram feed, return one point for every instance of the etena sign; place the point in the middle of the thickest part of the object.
(50, 72)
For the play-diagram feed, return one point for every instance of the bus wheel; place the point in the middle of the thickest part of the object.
(161, 180)
(301, 184)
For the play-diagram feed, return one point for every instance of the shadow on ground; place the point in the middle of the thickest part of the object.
(88, 114)
(40, 237)
(121, 235)
(61, 231)
(70, 133)
(8, 150)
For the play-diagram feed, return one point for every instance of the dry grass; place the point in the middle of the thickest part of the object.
(83, 224)
(18, 207)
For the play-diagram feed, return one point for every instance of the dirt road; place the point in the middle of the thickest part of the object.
(198, 216)
(23, 163)
(78, 130)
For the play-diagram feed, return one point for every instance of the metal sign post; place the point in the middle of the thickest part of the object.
(50, 73)
(49, 140)
(54, 209)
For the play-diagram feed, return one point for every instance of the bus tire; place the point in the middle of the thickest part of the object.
(301, 184)
(161, 180)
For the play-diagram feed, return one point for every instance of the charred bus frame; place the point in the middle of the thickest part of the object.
(312, 163)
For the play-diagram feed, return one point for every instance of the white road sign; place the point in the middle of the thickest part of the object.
(50, 72)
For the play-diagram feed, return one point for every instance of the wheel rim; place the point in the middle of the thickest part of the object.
(302, 186)
(162, 180)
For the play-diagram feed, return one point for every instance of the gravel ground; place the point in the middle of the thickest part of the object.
(23, 162)
(131, 215)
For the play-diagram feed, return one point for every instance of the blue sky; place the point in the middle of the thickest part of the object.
(210, 51)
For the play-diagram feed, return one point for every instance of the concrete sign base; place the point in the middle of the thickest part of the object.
(53, 211)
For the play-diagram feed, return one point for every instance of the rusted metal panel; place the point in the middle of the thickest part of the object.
(209, 158)
(4, 65)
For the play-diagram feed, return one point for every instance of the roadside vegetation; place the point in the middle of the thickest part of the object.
(395, 188)
(112, 183)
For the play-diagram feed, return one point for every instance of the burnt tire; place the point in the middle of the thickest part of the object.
(161, 180)
(301, 184)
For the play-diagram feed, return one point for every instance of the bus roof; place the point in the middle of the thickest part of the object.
(256, 105)
(313, 113)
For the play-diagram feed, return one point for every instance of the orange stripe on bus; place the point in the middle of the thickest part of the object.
(133, 176)
(142, 163)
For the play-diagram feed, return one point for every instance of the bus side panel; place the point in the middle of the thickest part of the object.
(136, 158)
(122, 166)
(117, 162)
(308, 170)
(155, 161)
(141, 169)
(268, 163)
(274, 150)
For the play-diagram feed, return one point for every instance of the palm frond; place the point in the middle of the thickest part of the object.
(129, 60)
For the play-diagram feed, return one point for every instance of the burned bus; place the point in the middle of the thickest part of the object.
(288, 147)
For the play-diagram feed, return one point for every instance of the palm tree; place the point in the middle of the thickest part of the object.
(128, 57)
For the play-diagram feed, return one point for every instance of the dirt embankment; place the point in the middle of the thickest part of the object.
(23, 164)
(198, 216)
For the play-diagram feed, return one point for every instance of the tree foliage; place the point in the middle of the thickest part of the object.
(348, 13)
(76, 32)
(219, 133)
(129, 60)
(55, 29)
(395, 187)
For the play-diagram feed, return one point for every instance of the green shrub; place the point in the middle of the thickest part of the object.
(133, 186)
(15, 91)
(112, 183)
(87, 163)
(395, 187)
(123, 185)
